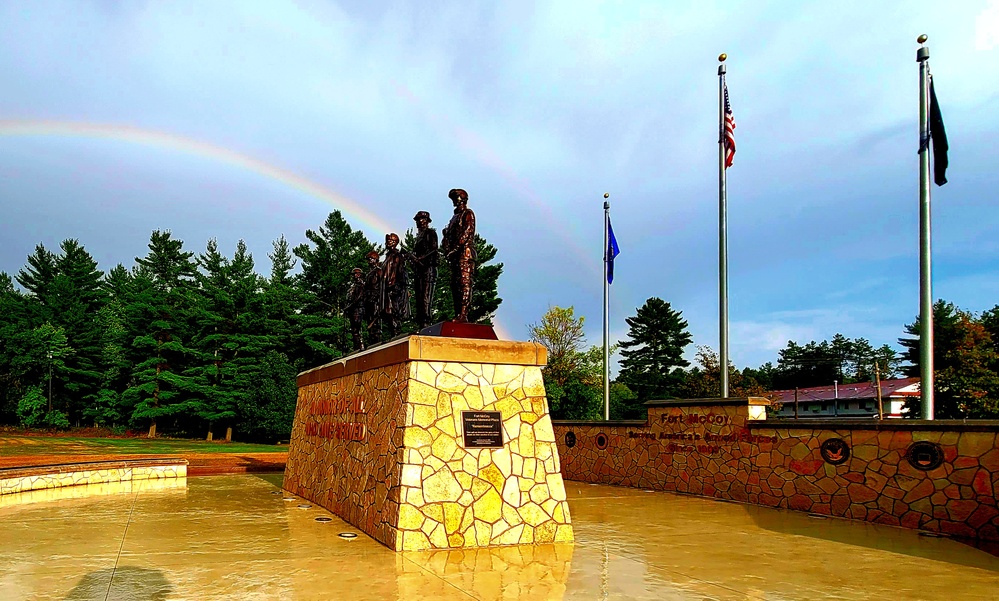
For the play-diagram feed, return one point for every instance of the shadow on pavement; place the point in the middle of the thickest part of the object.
(127, 583)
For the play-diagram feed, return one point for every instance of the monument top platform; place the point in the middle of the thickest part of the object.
(429, 348)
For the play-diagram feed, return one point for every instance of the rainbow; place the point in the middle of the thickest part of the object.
(146, 137)
(185, 145)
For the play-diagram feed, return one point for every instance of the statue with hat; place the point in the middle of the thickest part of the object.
(355, 307)
(458, 245)
(373, 293)
(395, 286)
(423, 257)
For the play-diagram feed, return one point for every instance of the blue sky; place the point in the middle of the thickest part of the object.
(536, 109)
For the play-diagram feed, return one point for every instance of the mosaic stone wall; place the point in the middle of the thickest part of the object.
(21, 480)
(176, 485)
(382, 448)
(860, 470)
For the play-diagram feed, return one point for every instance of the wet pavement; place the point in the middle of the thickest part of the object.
(222, 537)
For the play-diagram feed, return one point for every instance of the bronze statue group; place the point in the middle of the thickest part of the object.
(380, 298)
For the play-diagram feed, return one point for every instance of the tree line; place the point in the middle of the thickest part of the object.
(652, 366)
(185, 343)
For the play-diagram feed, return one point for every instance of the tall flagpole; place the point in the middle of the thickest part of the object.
(925, 256)
(722, 236)
(607, 259)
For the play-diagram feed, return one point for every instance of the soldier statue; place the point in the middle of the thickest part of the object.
(395, 285)
(355, 307)
(423, 257)
(458, 245)
(373, 293)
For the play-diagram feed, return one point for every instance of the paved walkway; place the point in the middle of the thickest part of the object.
(241, 537)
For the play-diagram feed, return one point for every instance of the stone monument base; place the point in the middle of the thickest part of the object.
(432, 443)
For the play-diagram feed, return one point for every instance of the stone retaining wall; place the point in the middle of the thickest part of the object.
(24, 479)
(377, 440)
(941, 476)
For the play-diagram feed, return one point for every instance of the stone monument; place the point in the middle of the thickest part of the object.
(434, 441)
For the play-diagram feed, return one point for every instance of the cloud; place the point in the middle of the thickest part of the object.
(987, 27)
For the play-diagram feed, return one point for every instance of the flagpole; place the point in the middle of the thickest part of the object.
(607, 259)
(925, 256)
(722, 236)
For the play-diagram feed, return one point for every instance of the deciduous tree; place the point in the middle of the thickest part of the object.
(965, 363)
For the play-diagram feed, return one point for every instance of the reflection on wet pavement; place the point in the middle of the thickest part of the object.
(233, 537)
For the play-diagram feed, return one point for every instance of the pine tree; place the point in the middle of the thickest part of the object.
(37, 277)
(485, 286)
(657, 336)
(280, 304)
(13, 321)
(266, 414)
(76, 298)
(325, 278)
(229, 336)
(108, 407)
(160, 309)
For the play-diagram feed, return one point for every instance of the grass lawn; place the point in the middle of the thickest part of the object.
(12, 445)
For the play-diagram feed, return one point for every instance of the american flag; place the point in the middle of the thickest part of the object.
(729, 136)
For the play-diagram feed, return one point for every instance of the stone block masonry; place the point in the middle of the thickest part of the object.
(378, 439)
(41, 477)
(941, 476)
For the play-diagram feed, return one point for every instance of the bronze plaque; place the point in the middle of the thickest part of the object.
(925, 455)
(482, 429)
(835, 451)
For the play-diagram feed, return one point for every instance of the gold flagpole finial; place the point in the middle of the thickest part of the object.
(922, 39)
(722, 57)
(606, 194)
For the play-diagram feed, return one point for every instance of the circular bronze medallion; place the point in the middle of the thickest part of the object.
(570, 439)
(924, 455)
(601, 441)
(834, 451)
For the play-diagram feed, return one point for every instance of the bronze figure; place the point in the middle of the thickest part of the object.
(395, 285)
(423, 257)
(373, 293)
(458, 245)
(355, 307)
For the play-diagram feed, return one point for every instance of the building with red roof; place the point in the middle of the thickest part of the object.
(846, 400)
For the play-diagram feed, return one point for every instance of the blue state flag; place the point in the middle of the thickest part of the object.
(612, 251)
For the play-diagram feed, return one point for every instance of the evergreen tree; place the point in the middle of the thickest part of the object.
(13, 322)
(229, 335)
(37, 277)
(108, 408)
(280, 305)
(821, 363)
(657, 335)
(266, 414)
(160, 310)
(76, 298)
(485, 286)
(335, 250)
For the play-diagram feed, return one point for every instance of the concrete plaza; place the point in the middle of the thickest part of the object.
(221, 537)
